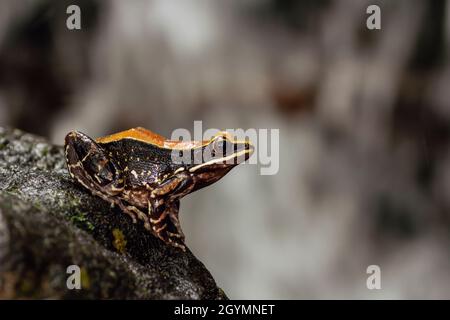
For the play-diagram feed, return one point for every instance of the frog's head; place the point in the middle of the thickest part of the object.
(216, 158)
(90, 165)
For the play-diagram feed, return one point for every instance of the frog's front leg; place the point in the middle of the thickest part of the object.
(172, 189)
(168, 186)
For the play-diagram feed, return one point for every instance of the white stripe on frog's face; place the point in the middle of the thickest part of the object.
(220, 160)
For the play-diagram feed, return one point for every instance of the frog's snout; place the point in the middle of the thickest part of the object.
(243, 150)
(250, 148)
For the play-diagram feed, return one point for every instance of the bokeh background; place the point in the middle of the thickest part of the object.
(364, 120)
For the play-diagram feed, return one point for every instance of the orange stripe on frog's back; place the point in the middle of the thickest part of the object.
(148, 136)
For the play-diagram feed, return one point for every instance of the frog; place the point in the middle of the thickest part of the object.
(145, 175)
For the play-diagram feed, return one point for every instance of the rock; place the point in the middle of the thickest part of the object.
(47, 223)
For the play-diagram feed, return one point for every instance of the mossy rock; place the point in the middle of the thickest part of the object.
(47, 223)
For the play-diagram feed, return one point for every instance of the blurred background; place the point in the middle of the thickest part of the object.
(364, 120)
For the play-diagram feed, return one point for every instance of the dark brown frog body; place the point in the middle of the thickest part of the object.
(143, 173)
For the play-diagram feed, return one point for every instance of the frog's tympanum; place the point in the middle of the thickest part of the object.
(145, 175)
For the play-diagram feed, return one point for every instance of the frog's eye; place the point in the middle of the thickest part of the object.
(222, 147)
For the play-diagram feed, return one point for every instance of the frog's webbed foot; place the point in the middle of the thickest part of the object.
(166, 225)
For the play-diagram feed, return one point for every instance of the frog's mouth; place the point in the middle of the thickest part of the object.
(243, 152)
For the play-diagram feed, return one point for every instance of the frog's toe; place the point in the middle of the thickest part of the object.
(131, 215)
(126, 209)
(177, 244)
(168, 232)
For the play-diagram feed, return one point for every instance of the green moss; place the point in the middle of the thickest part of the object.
(70, 202)
(12, 190)
(3, 142)
(45, 151)
(119, 241)
(81, 221)
(38, 206)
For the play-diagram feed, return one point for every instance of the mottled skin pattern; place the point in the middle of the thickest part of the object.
(141, 177)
